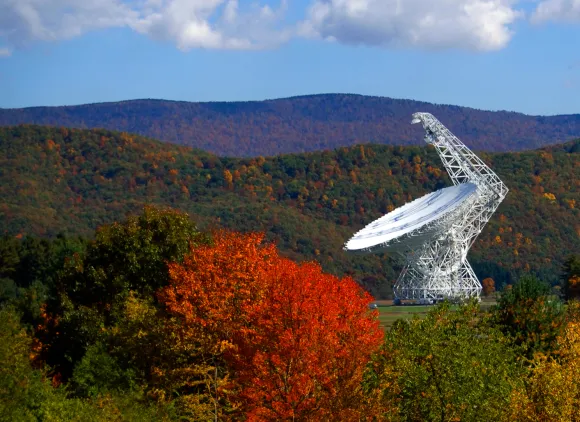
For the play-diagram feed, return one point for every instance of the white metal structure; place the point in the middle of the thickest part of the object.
(433, 233)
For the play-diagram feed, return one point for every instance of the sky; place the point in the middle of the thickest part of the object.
(517, 55)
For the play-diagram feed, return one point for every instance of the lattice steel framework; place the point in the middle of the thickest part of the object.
(438, 268)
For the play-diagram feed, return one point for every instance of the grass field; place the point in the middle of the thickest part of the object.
(390, 313)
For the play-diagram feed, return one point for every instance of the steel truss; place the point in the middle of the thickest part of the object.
(438, 268)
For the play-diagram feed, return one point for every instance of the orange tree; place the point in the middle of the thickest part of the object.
(297, 339)
(488, 286)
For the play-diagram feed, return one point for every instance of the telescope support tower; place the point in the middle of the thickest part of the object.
(439, 269)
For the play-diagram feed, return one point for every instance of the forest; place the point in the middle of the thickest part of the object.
(302, 124)
(154, 320)
(67, 181)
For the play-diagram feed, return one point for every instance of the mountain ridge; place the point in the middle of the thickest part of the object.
(301, 123)
(291, 97)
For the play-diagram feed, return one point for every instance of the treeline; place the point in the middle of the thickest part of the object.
(301, 124)
(154, 320)
(71, 181)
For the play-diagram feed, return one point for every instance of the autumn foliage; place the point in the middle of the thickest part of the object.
(153, 320)
(68, 180)
(552, 391)
(488, 286)
(297, 339)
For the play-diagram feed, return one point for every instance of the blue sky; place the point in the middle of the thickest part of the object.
(490, 54)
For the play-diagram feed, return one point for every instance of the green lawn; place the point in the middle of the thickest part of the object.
(390, 313)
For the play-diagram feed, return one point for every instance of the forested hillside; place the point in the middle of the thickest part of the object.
(301, 124)
(64, 180)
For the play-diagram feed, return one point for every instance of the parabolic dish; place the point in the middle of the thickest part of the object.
(411, 224)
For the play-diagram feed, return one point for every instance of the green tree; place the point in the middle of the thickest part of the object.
(9, 260)
(26, 395)
(125, 257)
(450, 365)
(571, 277)
(29, 269)
(131, 256)
(531, 315)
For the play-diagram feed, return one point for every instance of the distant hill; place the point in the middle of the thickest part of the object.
(61, 180)
(301, 124)
(570, 147)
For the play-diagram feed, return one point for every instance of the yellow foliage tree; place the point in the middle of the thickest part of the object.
(228, 178)
(552, 391)
(177, 365)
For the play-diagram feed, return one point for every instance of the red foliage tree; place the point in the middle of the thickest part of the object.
(298, 339)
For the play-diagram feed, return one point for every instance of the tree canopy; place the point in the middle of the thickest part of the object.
(154, 320)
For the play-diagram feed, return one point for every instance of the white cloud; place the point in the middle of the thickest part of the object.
(188, 23)
(557, 10)
(5, 52)
(226, 24)
(22, 21)
(482, 25)
(213, 24)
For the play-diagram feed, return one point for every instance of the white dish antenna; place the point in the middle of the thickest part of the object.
(434, 233)
(413, 222)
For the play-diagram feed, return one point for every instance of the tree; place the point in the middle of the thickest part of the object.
(26, 394)
(9, 260)
(140, 354)
(552, 387)
(450, 365)
(228, 178)
(126, 257)
(488, 286)
(131, 256)
(297, 339)
(571, 277)
(531, 315)
(29, 269)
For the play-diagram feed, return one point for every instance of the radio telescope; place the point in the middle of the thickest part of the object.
(432, 234)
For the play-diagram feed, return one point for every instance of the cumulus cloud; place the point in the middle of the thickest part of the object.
(212, 24)
(23, 21)
(557, 10)
(471, 24)
(482, 25)
(189, 23)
